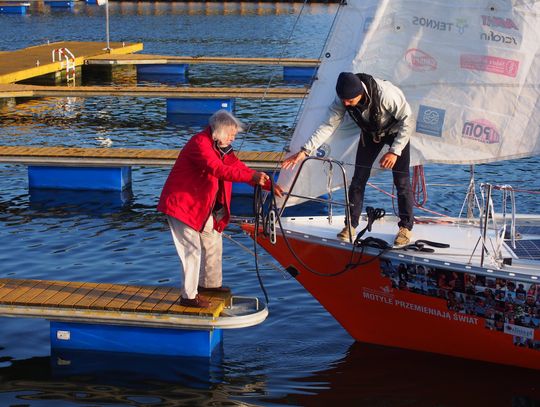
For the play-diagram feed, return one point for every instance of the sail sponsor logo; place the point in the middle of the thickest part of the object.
(481, 130)
(499, 22)
(489, 63)
(430, 121)
(492, 36)
(387, 22)
(323, 151)
(520, 331)
(459, 25)
(420, 61)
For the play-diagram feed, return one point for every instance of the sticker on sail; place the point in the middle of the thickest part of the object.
(430, 121)
(420, 61)
(457, 26)
(520, 331)
(500, 30)
(499, 22)
(500, 38)
(481, 130)
(387, 22)
(489, 63)
(323, 151)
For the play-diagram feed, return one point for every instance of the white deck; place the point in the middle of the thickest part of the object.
(461, 237)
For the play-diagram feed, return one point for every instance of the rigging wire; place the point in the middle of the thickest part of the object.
(286, 44)
(271, 80)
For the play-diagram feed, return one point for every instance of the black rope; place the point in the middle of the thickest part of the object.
(372, 214)
(258, 212)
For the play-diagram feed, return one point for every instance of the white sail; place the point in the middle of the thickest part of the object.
(469, 69)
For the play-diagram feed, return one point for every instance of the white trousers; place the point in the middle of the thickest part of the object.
(200, 253)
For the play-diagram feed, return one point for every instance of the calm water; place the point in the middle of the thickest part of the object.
(300, 355)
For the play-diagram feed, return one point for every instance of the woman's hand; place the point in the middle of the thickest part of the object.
(260, 178)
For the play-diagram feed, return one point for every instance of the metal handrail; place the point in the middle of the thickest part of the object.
(330, 202)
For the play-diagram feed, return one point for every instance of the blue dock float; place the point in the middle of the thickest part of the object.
(60, 3)
(201, 106)
(79, 178)
(299, 74)
(135, 339)
(162, 69)
(14, 8)
(170, 74)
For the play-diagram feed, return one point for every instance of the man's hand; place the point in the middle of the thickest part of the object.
(259, 178)
(294, 159)
(388, 160)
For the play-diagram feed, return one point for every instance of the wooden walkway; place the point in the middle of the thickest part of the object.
(119, 156)
(16, 90)
(36, 61)
(144, 59)
(76, 301)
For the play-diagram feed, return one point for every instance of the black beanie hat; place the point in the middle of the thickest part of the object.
(348, 85)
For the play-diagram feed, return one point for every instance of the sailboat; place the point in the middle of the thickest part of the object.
(468, 286)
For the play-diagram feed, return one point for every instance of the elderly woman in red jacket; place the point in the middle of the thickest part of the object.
(197, 199)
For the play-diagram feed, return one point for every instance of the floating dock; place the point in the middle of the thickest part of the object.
(73, 156)
(127, 318)
(36, 61)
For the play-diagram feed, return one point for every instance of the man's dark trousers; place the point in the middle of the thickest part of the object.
(366, 154)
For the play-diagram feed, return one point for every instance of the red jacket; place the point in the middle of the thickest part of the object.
(199, 179)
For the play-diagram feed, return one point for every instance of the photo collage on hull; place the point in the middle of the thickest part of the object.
(508, 306)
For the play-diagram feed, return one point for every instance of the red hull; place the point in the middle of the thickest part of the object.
(374, 309)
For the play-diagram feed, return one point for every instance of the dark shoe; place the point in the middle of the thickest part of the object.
(223, 290)
(196, 302)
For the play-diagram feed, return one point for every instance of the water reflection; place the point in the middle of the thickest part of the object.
(376, 375)
(130, 370)
(151, 79)
(85, 202)
(100, 378)
(367, 375)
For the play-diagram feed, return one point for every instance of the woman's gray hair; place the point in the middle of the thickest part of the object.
(221, 120)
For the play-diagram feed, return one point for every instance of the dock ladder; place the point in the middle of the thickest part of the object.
(66, 55)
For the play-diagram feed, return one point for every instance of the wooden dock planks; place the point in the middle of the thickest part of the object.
(18, 90)
(119, 156)
(100, 297)
(143, 59)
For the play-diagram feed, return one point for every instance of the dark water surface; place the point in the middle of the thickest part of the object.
(300, 355)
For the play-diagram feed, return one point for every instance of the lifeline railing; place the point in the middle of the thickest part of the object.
(328, 201)
(488, 215)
